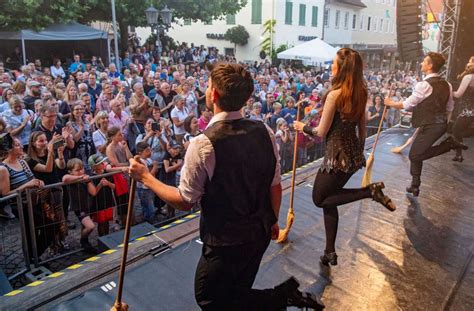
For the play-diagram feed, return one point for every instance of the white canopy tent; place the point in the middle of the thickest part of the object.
(314, 52)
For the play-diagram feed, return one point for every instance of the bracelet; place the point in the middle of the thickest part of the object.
(308, 130)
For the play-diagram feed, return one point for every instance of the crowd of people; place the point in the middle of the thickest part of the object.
(68, 124)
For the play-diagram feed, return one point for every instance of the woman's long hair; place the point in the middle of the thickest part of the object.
(469, 69)
(32, 151)
(350, 80)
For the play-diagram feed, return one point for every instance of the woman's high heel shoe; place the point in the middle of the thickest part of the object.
(380, 197)
(458, 158)
(329, 258)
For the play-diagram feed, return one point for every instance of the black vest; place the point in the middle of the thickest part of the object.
(432, 110)
(236, 206)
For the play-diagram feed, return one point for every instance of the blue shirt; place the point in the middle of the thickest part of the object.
(74, 66)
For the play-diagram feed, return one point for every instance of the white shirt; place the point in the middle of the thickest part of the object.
(422, 90)
(181, 115)
(57, 72)
(200, 161)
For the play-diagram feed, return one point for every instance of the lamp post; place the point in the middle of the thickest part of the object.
(165, 16)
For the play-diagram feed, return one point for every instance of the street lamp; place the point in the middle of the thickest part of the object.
(152, 15)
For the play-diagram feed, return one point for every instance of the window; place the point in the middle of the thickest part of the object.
(326, 18)
(354, 21)
(288, 13)
(381, 25)
(230, 19)
(314, 16)
(187, 21)
(374, 24)
(302, 15)
(361, 22)
(393, 26)
(338, 16)
(386, 25)
(256, 11)
(346, 20)
(369, 20)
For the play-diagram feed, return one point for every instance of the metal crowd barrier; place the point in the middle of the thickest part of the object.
(9, 232)
(47, 216)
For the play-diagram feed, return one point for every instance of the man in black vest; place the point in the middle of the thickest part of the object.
(432, 104)
(233, 170)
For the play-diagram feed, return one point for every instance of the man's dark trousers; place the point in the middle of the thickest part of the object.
(423, 149)
(224, 278)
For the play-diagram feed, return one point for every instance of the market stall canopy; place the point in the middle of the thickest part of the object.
(312, 52)
(63, 32)
(61, 40)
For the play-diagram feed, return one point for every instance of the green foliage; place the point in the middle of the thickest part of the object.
(38, 14)
(237, 35)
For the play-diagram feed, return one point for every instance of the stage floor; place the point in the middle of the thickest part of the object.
(416, 258)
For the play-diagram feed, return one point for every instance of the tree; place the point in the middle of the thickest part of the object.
(268, 31)
(38, 14)
(132, 12)
(237, 35)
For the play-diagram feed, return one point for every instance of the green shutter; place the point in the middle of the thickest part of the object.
(230, 19)
(256, 11)
(288, 13)
(302, 14)
(314, 18)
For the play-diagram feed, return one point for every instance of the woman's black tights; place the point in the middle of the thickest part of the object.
(328, 193)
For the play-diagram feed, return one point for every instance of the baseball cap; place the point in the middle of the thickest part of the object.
(33, 83)
(96, 159)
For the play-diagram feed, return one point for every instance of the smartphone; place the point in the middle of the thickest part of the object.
(155, 126)
(58, 144)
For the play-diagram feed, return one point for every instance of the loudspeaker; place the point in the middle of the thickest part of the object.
(115, 239)
(409, 26)
(464, 44)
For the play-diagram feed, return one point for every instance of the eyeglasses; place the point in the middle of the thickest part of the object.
(78, 109)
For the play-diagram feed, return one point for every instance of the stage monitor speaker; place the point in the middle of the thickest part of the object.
(409, 29)
(464, 45)
(115, 239)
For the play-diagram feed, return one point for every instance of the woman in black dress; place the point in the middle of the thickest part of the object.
(464, 125)
(344, 126)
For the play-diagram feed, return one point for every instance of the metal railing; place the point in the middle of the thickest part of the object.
(9, 243)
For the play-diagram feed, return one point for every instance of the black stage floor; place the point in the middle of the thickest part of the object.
(416, 258)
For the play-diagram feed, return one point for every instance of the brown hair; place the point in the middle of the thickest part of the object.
(73, 162)
(469, 69)
(32, 152)
(234, 85)
(437, 60)
(111, 132)
(350, 80)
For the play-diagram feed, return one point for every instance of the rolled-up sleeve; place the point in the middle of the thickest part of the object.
(199, 165)
(422, 90)
(277, 176)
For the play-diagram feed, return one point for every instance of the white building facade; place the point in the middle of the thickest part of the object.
(368, 26)
(296, 21)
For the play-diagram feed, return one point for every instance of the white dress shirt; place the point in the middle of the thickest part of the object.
(422, 91)
(200, 161)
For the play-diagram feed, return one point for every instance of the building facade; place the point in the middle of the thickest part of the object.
(366, 25)
(296, 21)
